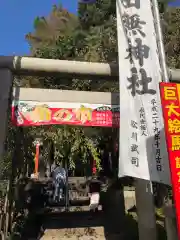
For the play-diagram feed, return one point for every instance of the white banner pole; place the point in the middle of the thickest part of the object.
(141, 193)
(145, 210)
(136, 36)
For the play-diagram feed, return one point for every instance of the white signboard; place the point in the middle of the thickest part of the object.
(142, 142)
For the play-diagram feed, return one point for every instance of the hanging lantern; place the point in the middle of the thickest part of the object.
(94, 169)
(37, 143)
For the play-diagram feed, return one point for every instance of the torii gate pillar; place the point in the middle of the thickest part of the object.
(6, 78)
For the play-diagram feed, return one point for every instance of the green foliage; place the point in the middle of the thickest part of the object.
(71, 144)
(172, 37)
(96, 14)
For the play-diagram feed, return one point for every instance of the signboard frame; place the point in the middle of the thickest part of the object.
(170, 99)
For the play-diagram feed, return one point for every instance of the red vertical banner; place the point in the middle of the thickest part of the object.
(37, 159)
(170, 99)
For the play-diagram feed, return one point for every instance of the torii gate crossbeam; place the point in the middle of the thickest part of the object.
(38, 66)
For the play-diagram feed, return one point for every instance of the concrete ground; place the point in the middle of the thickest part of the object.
(79, 224)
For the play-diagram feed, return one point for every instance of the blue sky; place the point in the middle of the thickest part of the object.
(16, 20)
(175, 3)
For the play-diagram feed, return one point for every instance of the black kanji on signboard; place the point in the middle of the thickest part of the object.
(134, 124)
(134, 148)
(135, 161)
(133, 24)
(135, 83)
(139, 52)
(144, 83)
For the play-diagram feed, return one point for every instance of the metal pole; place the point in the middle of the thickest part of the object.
(170, 229)
(159, 35)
